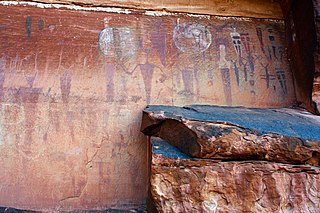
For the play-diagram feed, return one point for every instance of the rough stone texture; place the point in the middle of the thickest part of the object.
(303, 33)
(316, 92)
(242, 8)
(303, 21)
(235, 133)
(13, 210)
(316, 81)
(180, 184)
(73, 84)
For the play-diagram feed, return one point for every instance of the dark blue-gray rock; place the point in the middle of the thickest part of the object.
(237, 133)
(13, 210)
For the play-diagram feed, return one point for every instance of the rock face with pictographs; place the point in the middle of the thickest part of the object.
(75, 76)
(233, 159)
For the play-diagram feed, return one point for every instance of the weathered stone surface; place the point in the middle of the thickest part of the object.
(316, 81)
(235, 133)
(74, 80)
(303, 21)
(303, 36)
(13, 210)
(183, 184)
(242, 8)
(316, 92)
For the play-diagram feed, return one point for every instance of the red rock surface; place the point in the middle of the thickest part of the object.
(240, 8)
(233, 133)
(74, 81)
(181, 184)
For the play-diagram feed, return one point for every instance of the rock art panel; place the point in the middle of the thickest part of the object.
(58, 133)
(244, 60)
(72, 93)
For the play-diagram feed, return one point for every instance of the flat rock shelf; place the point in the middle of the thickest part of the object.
(236, 133)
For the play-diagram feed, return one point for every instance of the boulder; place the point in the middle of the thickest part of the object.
(237, 133)
(180, 183)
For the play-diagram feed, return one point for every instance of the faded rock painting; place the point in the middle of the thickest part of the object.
(242, 56)
(191, 37)
(72, 93)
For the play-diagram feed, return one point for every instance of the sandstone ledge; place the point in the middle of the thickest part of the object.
(235, 133)
(183, 184)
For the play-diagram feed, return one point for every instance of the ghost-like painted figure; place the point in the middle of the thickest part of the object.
(224, 67)
(236, 40)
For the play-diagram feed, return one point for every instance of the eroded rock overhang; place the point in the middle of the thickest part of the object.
(212, 159)
(237, 133)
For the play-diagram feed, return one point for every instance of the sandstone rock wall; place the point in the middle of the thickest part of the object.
(75, 78)
(242, 8)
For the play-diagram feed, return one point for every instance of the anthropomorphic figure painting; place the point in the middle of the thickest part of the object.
(267, 76)
(273, 45)
(65, 86)
(158, 40)
(282, 80)
(28, 26)
(191, 39)
(147, 70)
(224, 66)
(235, 36)
(117, 44)
(2, 77)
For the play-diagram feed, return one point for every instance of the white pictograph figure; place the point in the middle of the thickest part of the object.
(117, 42)
(191, 37)
(236, 40)
(223, 62)
(224, 66)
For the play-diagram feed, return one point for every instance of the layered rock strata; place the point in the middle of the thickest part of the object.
(232, 159)
(183, 184)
